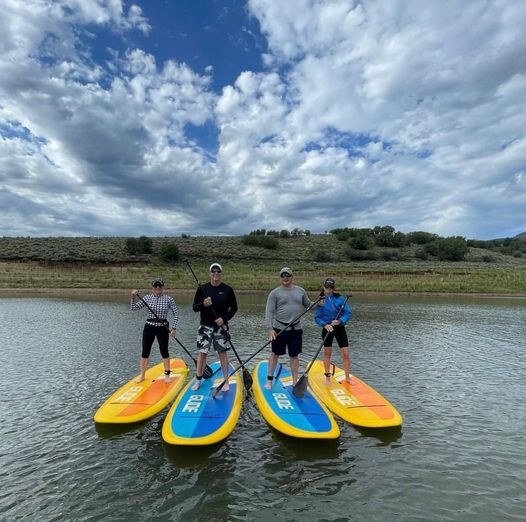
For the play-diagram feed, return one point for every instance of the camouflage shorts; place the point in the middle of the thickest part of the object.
(206, 337)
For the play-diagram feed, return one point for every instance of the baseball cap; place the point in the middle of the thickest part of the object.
(216, 265)
(329, 282)
(285, 270)
(158, 280)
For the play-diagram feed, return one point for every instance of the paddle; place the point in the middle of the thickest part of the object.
(247, 378)
(207, 372)
(242, 365)
(300, 388)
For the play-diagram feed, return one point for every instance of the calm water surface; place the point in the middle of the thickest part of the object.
(454, 368)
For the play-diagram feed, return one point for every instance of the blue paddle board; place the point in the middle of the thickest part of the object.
(196, 418)
(304, 417)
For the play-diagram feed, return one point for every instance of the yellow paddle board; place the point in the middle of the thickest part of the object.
(135, 402)
(357, 402)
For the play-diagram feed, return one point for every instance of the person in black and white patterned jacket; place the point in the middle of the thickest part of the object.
(161, 304)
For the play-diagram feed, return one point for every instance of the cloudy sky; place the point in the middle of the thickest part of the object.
(212, 117)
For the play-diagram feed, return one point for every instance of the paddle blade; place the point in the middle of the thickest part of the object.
(208, 372)
(218, 390)
(247, 379)
(300, 388)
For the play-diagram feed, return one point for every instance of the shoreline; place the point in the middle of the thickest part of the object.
(191, 291)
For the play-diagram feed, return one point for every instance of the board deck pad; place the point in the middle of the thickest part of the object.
(357, 402)
(197, 418)
(135, 402)
(304, 417)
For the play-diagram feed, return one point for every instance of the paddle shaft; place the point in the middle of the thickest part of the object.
(246, 376)
(242, 365)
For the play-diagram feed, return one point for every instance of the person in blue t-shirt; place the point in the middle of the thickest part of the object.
(330, 316)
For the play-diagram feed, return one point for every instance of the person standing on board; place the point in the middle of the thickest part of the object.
(153, 328)
(217, 304)
(285, 303)
(331, 307)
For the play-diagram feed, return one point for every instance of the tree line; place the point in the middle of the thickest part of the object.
(363, 243)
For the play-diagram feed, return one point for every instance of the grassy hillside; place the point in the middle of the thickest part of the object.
(322, 247)
(105, 263)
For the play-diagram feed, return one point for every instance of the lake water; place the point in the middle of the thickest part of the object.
(453, 367)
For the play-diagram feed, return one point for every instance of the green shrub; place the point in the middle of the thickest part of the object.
(169, 252)
(420, 238)
(137, 246)
(321, 256)
(451, 248)
(268, 242)
(362, 255)
(361, 243)
(422, 253)
(144, 245)
(387, 237)
(390, 255)
(131, 246)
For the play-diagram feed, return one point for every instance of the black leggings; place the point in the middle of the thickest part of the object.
(149, 334)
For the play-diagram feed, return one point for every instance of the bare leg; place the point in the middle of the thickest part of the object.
(223, 359)
(201, 363)
(294, 368)
(166, 363)
(272, 361)
(327, 353)
(143, 367)
(346, 360)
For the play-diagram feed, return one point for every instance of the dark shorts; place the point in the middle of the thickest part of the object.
(290, 340)
(339, 333)
(149, 334)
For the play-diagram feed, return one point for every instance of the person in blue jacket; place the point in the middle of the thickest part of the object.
(329, 308)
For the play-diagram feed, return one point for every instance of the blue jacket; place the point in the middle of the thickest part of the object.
(330, 309)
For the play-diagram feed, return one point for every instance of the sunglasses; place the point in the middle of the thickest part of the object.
(328, 286)
(285, 275)
(215, 271)
(157, 285)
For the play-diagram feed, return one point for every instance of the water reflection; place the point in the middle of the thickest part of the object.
(107, 431)
(191, 456)
(454, 368)
(385, 436)
(305, 449)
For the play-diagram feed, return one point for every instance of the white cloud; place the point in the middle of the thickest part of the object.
(439, 85)
(367, 113)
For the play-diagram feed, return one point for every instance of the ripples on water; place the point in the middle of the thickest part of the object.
(453, 368)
